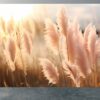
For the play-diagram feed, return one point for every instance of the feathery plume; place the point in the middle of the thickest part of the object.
(63, 47)
(52, 38)
(2, 24)
(11, 48)
(82, 61)
(97, 45)
(87, 31)
(97, 52)
(62, 21)
(72, 71)
(91, 45)
(71, 44)
(29, 25)
(10, 52)
(50, 71)
(11, 27)
(81, 58)
(86, 34)
(18, 60)
(27, 42)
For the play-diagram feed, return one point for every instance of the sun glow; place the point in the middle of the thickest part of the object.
(17, 11)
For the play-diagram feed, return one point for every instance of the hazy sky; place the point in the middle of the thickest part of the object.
(85, 13)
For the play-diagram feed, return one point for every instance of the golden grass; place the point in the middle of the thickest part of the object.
(39, 52)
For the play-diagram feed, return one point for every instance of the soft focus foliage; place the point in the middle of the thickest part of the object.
(36, 50)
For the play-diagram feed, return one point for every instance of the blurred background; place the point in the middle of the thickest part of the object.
(85, 13)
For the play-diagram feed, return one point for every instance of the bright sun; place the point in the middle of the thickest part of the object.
(18, 11)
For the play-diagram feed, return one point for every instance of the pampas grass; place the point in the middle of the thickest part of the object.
(78, 53)
(36, 51)
(50, 71)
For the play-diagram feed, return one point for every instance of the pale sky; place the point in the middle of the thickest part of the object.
(85, 13)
